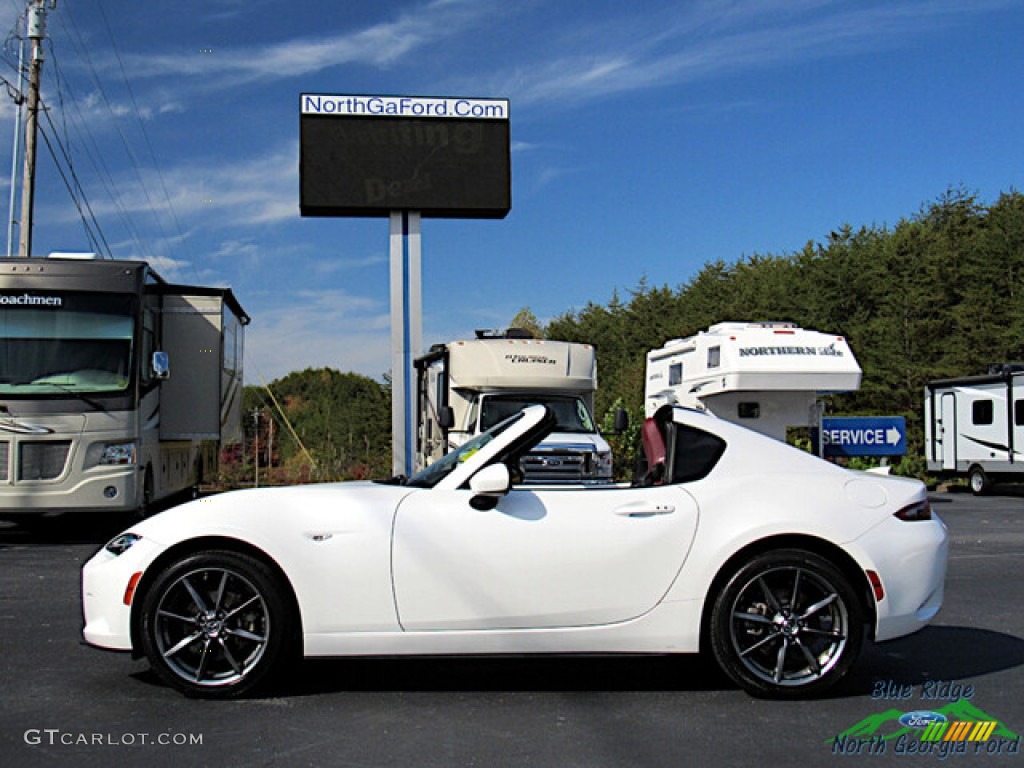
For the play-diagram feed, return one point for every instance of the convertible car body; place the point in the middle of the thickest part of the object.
(777, 562)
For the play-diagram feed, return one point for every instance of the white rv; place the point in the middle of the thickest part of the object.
(465, 387)
(974, 426)
(116, 387)
(764, 376)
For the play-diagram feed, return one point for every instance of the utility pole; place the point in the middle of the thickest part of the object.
(36, 31)
(19, 100)
(256, 445)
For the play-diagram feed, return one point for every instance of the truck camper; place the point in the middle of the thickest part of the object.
(766, 376)
(465, 387)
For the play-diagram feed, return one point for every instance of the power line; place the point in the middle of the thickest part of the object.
(76, 190)
(83, 52)
(90, 147)
(145, 136)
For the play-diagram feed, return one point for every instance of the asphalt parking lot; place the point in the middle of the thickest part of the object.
(66, 704)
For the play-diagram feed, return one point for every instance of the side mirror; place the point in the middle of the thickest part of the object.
(488, 486)
(161, 366)
(445, 417)
(621, 420)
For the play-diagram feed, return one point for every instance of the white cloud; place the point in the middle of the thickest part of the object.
(332, 265)
(257, 189)
(172, 270)
(318, 329)
(380, 45)
(690, 43)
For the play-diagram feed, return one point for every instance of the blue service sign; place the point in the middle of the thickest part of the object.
(865, 436)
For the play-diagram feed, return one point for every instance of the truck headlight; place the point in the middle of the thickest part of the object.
(118, 453)
(604, 464)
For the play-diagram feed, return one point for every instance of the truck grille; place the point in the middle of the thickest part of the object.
(5, 453)
(556, 467)
(42, 460)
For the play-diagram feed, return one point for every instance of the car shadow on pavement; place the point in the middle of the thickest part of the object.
(934, 653)
(73, 528)
(512, 673)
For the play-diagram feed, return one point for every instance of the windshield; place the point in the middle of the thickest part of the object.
(571, 414)
(440, 469)
(64, 343)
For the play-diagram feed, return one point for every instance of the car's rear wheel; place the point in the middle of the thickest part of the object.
(216, 624)
(787, 624)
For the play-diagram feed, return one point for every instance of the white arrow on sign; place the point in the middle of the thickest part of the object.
(892, 436)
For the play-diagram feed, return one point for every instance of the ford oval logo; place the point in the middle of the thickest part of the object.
(921, 719)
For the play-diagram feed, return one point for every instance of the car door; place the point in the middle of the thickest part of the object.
(544, 558)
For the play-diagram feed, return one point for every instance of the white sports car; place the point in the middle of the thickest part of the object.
(773, 560)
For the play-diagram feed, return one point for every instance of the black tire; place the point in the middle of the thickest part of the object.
(787, 624)
(979, 481)
(217, 625)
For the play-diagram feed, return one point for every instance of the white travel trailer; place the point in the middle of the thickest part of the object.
(765, 376)
(465, 387)
(974, 426)
(116, 387)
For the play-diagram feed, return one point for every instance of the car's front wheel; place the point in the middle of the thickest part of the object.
(787, 623)
(216, 624)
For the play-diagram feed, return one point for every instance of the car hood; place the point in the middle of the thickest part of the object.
(263, 514)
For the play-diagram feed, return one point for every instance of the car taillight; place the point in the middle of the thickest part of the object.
(921, 510)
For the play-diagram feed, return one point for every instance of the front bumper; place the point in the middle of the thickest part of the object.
(112, 489)
(105, 578)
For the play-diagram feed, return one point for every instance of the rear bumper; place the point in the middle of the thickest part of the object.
(910, 558)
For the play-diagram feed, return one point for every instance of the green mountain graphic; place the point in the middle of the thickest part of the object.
(887, 724)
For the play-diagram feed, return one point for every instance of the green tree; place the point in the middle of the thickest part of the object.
(343, 420)
(528, 321)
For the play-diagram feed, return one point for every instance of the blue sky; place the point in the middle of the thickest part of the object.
(649, 138)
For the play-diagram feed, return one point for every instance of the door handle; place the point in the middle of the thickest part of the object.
(645, 509)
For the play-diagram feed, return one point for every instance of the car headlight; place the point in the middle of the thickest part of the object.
(118, 453)
(121, 544)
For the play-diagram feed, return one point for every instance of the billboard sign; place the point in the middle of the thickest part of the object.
(373, 155)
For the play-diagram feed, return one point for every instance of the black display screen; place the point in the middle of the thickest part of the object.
(371, 166)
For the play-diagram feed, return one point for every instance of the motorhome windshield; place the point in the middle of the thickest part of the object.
(64, 343)
(571, 414)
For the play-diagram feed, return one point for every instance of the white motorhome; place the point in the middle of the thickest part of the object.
(465, 387)
(116, 387)
(765, 376)
(974, 426)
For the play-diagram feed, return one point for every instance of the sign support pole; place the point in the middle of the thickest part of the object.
(406, 334)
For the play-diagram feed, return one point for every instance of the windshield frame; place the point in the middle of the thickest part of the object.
(437, 471)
